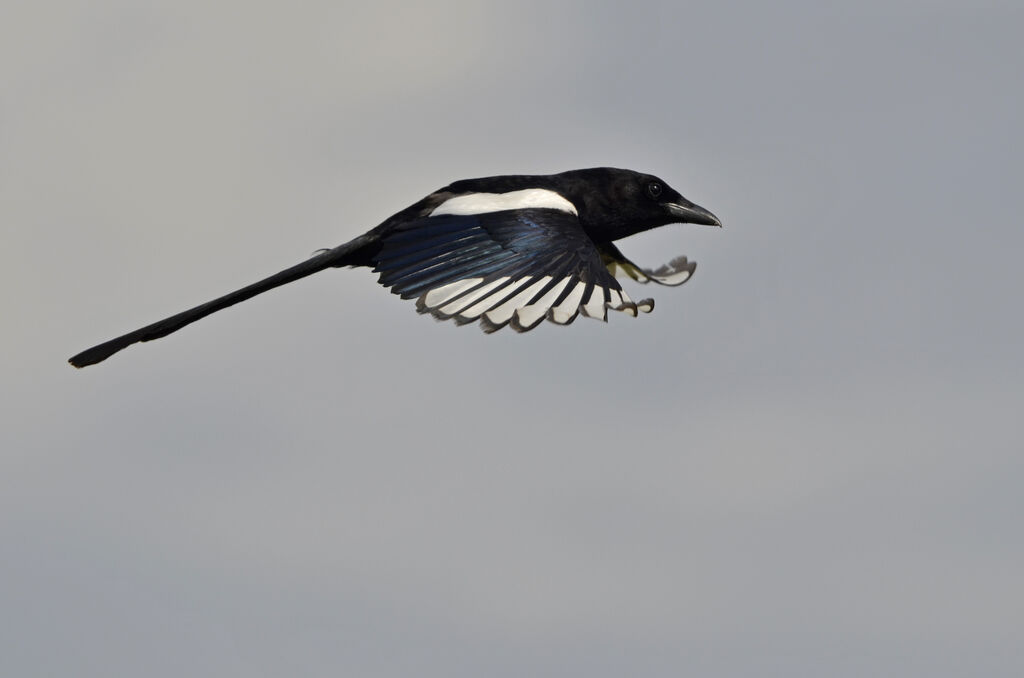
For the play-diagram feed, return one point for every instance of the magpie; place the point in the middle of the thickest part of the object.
(502, 250)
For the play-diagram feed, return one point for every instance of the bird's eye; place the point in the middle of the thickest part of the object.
(654, 189)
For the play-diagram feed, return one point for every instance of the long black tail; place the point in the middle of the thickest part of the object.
(351, 253)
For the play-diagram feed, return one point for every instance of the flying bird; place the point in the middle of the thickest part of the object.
(503, 250)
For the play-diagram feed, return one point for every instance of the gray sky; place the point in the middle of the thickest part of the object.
(806, 462)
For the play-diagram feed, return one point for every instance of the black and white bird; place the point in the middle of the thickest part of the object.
(504, 250)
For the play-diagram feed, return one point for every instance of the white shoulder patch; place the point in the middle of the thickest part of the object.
(482, 203)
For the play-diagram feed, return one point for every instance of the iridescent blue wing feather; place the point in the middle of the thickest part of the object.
(513, 267)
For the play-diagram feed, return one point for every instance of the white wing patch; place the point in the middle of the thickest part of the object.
(481, 203)
(525, 302)
(492, 299)
(529, 316)
(565, 312)
(460, 306)
(439, 295)
(675, 272)
(595, 305)
(502, 313)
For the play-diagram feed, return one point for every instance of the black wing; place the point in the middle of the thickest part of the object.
(513, 267)
(675, 272)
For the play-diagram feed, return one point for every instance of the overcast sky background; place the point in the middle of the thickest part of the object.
(806, 462)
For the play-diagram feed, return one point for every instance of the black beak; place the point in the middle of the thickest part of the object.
(689, 213)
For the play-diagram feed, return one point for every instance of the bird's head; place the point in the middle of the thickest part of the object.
(615, 203)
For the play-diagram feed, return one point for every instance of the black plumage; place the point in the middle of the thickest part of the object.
(505, 250)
